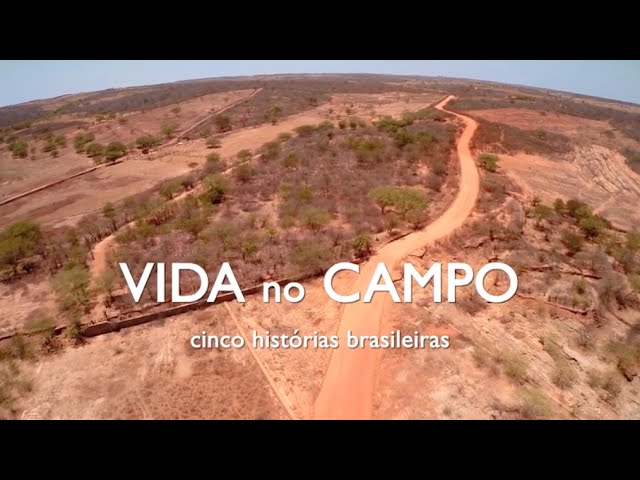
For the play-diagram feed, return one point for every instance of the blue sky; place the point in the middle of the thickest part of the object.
(24, 80)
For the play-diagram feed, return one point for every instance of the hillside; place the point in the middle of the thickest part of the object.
(283, 176)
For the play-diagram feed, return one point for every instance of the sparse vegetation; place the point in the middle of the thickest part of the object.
(515, 366)
(488, 161)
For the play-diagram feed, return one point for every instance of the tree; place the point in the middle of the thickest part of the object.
(574, 206)
(114, 151)
(109, 212)
(216, 188)
(559, 206)
(572, 241)
(383, 196)
(169, 128)
(222, 123)
(19, 241)
(488, 161)
(71, 286)
(591, 226)
(105, 283)
(147, 141)
(95, 150)
(362, 245)
(542, 212)
(81, 140)
(273, 113)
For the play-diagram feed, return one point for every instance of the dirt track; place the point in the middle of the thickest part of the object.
(348, 388)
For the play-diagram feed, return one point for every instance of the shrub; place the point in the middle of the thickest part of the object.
(290, 160)
(488, 161)
(576, 208)
(94, 150)
(591, 226)
(362, 245)
(273, 113)
(169, 128)
(213, 142)
(244, 155)
(559, 206)
(169, 189)
(109, 212)
(244, 173)
(533, 405)
(315, 218)
(270, 151)
(19, 149)
(572, 241)
(610, 289)
(305, 130)
(81, 140)
(222, 123)
(515, 366)
(43, 324)
(214, 163)
(542, 212)
(564, 376)
(114, 151)
(283, 137)
(147, 141)
(625, 355)
(216, 188)
(311, 256)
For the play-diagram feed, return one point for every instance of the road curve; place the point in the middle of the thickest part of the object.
(348, 387)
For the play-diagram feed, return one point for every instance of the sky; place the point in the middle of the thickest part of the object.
(25, 80)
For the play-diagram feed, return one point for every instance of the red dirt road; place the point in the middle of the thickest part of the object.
(348, 388)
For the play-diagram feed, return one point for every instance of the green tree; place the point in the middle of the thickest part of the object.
(114, 151)
(147, 141)
(559, 206)
(591, 226)
(95, 150)
(362, 245)
(488, 161)
(384, 197)
(19, 241)
(542, 212)
(216, 187)
(71, 285)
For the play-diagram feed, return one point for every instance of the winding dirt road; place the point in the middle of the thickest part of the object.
(348, 388)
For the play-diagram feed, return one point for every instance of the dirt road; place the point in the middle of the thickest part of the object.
(348, 387)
